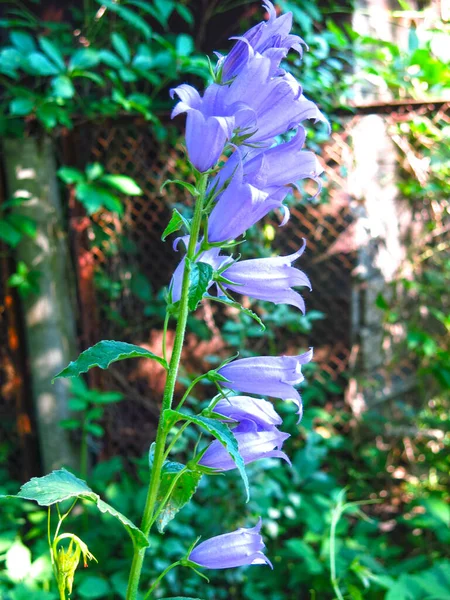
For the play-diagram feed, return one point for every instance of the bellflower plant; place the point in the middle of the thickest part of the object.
(242, 170)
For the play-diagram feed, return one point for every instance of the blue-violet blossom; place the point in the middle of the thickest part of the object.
(235, 549)
(260, 411)
(267, 375)
(268, 279)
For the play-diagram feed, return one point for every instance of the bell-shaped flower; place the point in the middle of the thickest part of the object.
(253, 444)
(270, 38)
(209, 124)
(268, 279)
(257, 181)
(238, 408)
(275, 105)
(235, 549)
(211, 257)
(267, 375)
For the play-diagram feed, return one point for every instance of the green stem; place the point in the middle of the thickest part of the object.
(168, 494)
(161, 434)
(189, 390)
(335, 516)
(176, 437)
(163, 574)
(164, 340)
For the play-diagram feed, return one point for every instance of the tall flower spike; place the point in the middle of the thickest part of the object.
(253, 444)
(267, 375)
(235, 549)
(269, 279)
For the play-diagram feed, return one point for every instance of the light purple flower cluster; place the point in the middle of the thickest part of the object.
(235, 126)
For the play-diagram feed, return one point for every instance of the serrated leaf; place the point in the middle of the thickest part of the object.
(62, 485)
(103, 355)
(53, 52)
(200, 278)
(55, 487)
(219, 430)
(124, 184)
(134, 531)
(176, 222)
(41, 65)
(181, 494)
(234, 304)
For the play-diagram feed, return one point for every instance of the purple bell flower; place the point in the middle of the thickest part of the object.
(258, 185)
(271, 39)
(253, 444)
(267, 375)
(238, 408)
(269, 279)
(235, 549)
(209, 125)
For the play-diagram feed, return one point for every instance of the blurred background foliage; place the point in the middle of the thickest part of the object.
(107, 59)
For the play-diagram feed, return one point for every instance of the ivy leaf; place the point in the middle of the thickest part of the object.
(201, 275)
(41, 65)
(104, 354)
(176, 222)
(217, 429)
(234, 304)
(181, 494)
(124, 184)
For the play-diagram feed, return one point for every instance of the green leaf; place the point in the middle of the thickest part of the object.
(103, 355)
(10, 61)
(9, 234)
(121, 47)
(180, 598)
(70, 175)
(52, 52)
(110, 59)
(85, 58)
(21, 106)
(24, 42)
(217, 429)
(24, 224)
(41, 65)
(201, 274)
(62, 87)
(182, 493)
(55, 487)
(176, 222)
(185, 13)
(94, 587)
(136, 534)
(129, 16)
(62, 485)
(124, 184)
(94, 171)
(94, 197)
(234, 304)
(191, 188)
(184, 45)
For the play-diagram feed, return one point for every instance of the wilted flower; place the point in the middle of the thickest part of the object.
(238, 408)
(257, 185)
(267, 375)
(272, 39)
(235, 549)
(253, 444)
(269, 279)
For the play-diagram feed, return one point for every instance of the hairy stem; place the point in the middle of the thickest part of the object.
(161, 435)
